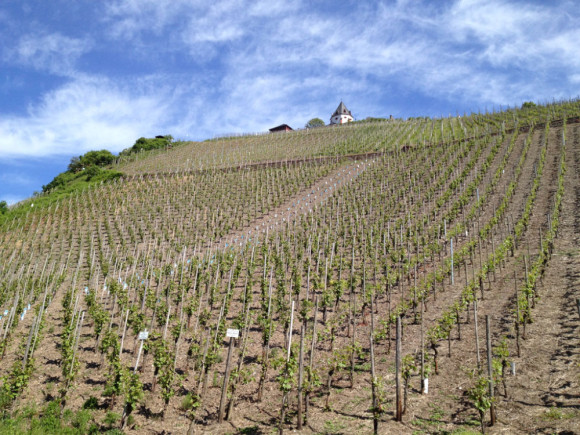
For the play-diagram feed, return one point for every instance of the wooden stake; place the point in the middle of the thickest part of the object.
(399, 402)
(517, 325)
(311, 362)
(225, 383)
(476, 332)
(123, 336)
(422, 349)
(373, 373)
(285, 397)
(452, 266)
(300, 376)
(489, 369)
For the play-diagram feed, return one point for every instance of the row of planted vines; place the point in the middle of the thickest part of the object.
(352, 274)
(357, 138)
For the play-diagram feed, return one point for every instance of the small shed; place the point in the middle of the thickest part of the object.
(283, 127)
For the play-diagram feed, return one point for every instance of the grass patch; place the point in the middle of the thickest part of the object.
(68, 185)
(332, 427)
(432, 422)
(554, 414)
(48, 421)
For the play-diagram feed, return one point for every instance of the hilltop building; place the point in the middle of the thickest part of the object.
(341, 115)
(283, 127)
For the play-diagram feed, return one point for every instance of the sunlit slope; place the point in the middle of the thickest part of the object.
(200, 238)
(354, 138)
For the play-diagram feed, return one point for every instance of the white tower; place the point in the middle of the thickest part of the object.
(341, 115)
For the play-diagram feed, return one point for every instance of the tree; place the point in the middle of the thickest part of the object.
(91, 158)
(146, 144)
(98, 158)
(59, 181)
(314, 123)
(528, 105)
(3, 207)
(75, 164)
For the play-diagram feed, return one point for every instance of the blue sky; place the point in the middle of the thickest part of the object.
(84, 74)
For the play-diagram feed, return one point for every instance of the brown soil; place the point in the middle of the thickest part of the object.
(543, 396)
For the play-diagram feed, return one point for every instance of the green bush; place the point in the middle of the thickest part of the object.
(528, 105)
(59, 181)
(147, 144)
(111, 418)
(88, 167)
(92, 172)
(91, 403)
(92, 158)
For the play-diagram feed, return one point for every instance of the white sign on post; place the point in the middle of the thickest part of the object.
(143, 335)
(233, 333)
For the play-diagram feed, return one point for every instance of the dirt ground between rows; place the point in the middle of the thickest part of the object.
(543, 396)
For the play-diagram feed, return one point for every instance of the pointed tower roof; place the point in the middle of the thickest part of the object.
(341, 110)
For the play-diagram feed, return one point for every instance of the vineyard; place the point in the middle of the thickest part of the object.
(412, 276)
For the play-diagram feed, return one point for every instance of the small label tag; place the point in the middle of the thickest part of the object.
(233, 333)
(143, 335)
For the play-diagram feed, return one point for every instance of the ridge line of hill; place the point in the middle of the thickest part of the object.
(358, 156)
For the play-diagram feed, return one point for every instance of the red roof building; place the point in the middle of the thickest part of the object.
(283, 127)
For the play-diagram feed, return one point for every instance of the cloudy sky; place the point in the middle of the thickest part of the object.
(84, 74)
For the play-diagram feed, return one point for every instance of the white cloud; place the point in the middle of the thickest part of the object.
(433, 48)
(273, 8)
(83, 115)
(269, 62)
(128, 18)
(480, 53)
(511, 34)
(491, 20)
(562, 47)
(197, 20)
(54, 52)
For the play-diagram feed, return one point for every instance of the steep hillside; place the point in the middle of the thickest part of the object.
(312, 244)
